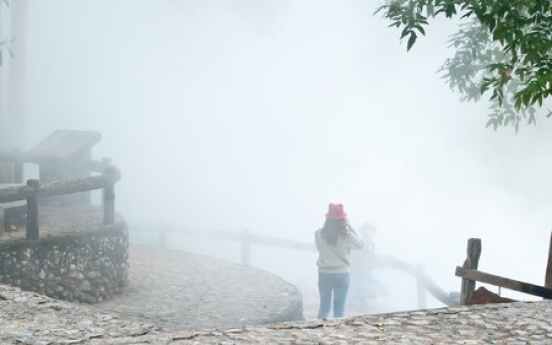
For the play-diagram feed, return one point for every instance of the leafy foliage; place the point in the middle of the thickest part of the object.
(504, 48)
(5, 45)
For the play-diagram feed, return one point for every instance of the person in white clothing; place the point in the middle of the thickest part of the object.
(364, 285)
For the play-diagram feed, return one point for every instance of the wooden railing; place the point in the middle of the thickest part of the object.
(470, 275)
(423, 282)
(34, 190)
(245, 237)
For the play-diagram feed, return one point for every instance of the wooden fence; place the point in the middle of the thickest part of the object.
(423, 282)
(33, 190)
(470, 275)
(244, 237)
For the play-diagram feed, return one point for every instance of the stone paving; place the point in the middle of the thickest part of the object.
(178, 290)
(180, 298)
(29, 318)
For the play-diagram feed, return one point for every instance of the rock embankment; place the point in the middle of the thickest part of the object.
(76, 257)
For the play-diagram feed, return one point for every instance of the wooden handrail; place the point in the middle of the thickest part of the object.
(34, 190)
(280, 242)
(109, 177)
(246, 238)
(470, 275)
(516, 285)
(238, 236)
(423, 280)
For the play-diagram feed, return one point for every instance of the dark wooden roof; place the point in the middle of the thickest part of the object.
(63, 145)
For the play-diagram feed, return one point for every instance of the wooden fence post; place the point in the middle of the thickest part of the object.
(109, 204)
(548, 277)
(245, 247)
(109, 201)
(32, 209)
(471, 262)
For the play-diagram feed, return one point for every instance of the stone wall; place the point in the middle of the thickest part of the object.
(84, 267)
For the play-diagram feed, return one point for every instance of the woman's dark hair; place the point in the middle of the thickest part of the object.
(332, 229)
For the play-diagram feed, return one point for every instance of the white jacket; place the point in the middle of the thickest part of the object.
(336, 259)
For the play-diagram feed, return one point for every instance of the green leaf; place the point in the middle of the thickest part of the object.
(430, 9)
(405, 32)
(484, 87)
(526, 98)
(494, 95)
(500, 37)
(467, 14)
(411, 40)
(420, 29)
(517, 103)
(532, 119)
(450, 10)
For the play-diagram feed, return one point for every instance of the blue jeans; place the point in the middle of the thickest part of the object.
(338, 284)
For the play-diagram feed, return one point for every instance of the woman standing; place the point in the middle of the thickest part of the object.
(334, 242)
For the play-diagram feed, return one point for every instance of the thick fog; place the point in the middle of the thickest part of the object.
(257, 114)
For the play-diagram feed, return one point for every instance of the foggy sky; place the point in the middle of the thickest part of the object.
(257, 114)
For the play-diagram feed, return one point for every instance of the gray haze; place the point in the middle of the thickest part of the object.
(257, 114)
